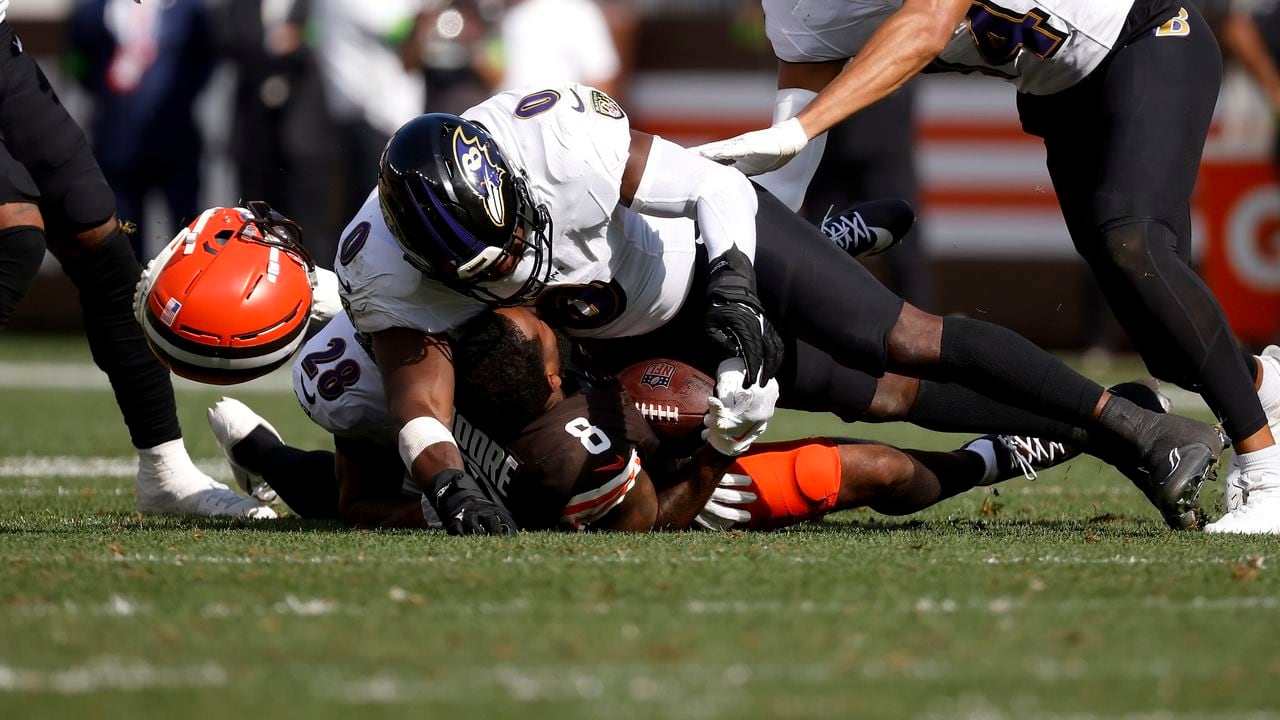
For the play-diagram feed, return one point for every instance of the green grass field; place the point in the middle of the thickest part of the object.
(1062, 598)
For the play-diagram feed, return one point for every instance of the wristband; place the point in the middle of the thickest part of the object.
(420, 433)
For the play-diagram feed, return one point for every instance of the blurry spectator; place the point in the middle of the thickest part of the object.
(368, 58)
(872, 155)
(451, 38)
(144, 65)
(544, 41)
(281, 136)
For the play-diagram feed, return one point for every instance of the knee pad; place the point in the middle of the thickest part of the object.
(83, 205)
(106, 275)
(21, 252)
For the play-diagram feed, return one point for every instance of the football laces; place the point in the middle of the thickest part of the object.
(658, 412)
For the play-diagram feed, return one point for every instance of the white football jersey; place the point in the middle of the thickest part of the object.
(1041, 46)
(614, 272)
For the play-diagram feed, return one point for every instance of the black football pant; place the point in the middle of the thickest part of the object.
(46, 161)
(1124, 148)
(836, 319)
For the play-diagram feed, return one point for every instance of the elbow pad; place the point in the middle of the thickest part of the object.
(680, 183)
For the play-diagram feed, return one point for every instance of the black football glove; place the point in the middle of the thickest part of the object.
(735, 321)
(465, 509)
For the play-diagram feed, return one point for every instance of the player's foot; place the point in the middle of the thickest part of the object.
(1182, 455)
(231, 422)
(1016, 455)
(1024, 455)
(1257, 505)
(871, 227)
(168, 482)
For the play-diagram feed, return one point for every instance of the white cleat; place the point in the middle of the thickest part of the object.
(231, 421)
(174, 485)
(1253, 504)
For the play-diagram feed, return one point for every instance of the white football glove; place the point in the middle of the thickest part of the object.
(325, 299)
(749, 405)
(727, 507)
(759, 151)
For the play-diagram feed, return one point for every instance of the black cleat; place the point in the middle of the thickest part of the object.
(1183, 458)
(1025, 455)
(871, 227)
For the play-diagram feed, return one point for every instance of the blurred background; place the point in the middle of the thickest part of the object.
(194, 103)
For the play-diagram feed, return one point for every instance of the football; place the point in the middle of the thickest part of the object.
(671, 395)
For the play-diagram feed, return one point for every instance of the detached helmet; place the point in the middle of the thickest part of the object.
(461, 213)
(229, 298)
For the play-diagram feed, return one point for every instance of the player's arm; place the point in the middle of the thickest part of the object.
(369, 487)
(675, 506)
(1240, 35)
(417, 372)
(899, 49)
(666, 180)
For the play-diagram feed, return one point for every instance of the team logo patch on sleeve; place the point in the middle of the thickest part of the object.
(606, 105)
(658, 375)
(480, 174)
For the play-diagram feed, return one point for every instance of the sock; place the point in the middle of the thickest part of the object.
(948, 407)
(165, 456)
(21, 251)
(1002, 364)
(1269, 391)
(984, 449)
(1259, 461)
(305, 480)
(790, 182)
(106, 275)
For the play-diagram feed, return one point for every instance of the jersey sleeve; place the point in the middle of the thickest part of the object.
(381, 290)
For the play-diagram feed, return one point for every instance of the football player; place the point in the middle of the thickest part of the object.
(53, 195)
(557, 451)
(1123, 147)
(548, 198)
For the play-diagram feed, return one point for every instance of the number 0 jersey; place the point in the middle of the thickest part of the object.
(1041, 46)
(614, 272)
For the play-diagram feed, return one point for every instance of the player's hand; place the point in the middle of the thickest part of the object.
(464, 509)
(326, 301)
(731, 432)
(749, 403)
(759, 151)
(728, 506)
(735, 321)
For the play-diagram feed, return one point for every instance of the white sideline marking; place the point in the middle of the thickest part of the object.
(111, 673)
(86, 376)
(68, 466)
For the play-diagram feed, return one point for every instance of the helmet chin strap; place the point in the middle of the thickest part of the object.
(511, 284)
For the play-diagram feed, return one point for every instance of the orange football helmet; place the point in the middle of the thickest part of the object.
(229, 298)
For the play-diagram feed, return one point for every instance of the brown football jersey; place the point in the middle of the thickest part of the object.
(570, 466)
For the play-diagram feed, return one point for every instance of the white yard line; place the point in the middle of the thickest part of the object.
(86, 376)
(111, 673)
(35, 467)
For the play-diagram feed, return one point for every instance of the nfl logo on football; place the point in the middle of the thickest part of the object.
(658, 375)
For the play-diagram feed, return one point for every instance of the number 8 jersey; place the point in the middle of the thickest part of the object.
(1041, 46)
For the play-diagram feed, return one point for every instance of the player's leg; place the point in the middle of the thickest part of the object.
(267, 468)
(22, 244)
(78, 210)
(779, 484)
(1126, 199)
(814, 292)
(798, 84)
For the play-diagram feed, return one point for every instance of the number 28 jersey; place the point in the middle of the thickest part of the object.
(1041, 46)
(614, 272)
